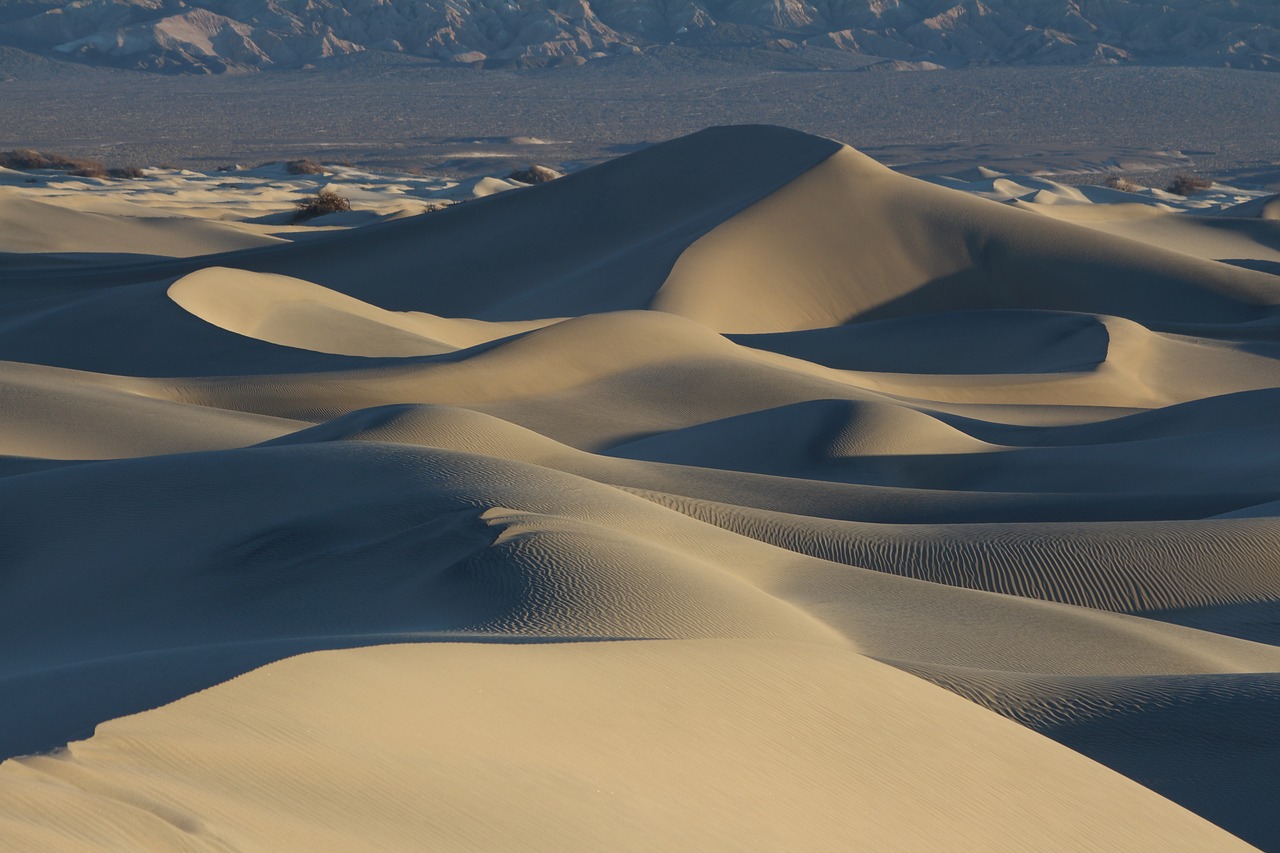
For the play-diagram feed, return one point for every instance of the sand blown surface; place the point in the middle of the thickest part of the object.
(736, 494)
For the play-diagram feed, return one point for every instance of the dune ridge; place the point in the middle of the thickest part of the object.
(738, 492)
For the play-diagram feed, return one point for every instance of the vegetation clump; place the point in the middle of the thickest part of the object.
(305, 166)
(1125, 185)
(94, 171)
(535, 174)
(23, 159)
(28, 159)
(1184, 184)
(324, 202)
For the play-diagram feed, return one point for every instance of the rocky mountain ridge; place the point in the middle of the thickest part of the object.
(215, 36)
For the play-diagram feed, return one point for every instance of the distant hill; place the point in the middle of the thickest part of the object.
(216, 36)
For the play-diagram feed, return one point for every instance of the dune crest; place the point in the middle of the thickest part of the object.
(296, 313)
(851, 240)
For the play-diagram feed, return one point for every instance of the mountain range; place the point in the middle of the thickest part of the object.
(217, 36)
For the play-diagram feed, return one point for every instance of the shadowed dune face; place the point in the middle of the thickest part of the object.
(875, 244)
(647, 472)
(996, 341)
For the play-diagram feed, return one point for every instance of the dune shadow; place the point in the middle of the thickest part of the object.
(1258, 621)
(1255, 264)
(959, 342)
(62, 262)
(1208, 743)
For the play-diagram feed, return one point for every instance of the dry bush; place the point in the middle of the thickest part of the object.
(126, 172)
(305, 166)
(89, 169)
(1118, 182)
(26, 159)
(1184, 184)
(83, 167)
(324, 202)
(535, 174)
(23, 159)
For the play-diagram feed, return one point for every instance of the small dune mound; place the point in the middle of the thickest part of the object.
(1267, 207)
(804, 439)
(445, 427)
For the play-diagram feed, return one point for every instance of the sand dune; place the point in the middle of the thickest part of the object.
(1267, 208)
(917, 248)
(295, 313)
(1130, 566)
(29, 226)
(59, 414)
(970, 343)
(796, 727)
(1150, 728)
(739, 493)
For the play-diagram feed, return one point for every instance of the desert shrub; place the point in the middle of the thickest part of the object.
(23, 158)
(1184, 184)
(535, 174)
(27, 159)
(126, 172)
(89, 169)
(305, 166)
(1119, 182)
(323, 202)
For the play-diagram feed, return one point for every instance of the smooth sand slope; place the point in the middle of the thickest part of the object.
(670, 742)
(736, 494)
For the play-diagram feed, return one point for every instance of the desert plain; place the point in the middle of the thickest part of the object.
(736, 493)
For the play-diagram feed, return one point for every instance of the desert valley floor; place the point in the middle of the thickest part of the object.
(738, 493)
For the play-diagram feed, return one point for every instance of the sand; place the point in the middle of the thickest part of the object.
(739, 493)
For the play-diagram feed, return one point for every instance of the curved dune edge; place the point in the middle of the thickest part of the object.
(851, 240)
(633, 373)
(292, 312)
(573, 747)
